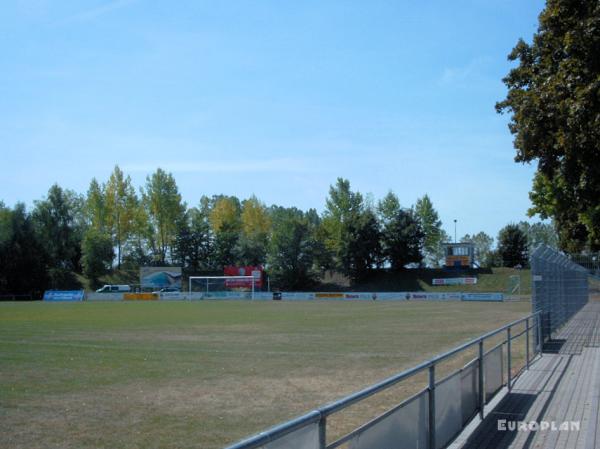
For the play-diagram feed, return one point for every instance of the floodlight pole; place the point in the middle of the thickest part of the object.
(455, 230)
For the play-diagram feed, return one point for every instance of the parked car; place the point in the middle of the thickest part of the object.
(114, 289)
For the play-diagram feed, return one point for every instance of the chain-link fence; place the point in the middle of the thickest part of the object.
(559, 290)
(591, 262)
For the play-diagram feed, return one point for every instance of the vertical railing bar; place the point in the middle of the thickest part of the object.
(527, 343)
(481, 381)
(508, 347)
(323, 432)
(539, 334)
(432, 407)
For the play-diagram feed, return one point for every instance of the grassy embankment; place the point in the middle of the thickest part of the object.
(488, 280)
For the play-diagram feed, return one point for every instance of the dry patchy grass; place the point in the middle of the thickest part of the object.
(202, 375)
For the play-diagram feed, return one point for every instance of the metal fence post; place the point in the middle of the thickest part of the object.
(432, 407)
(539, 334)
(527, 343)
(481, 381)
(322, 432)
(508, 344)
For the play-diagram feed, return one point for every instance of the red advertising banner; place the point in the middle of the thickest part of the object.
(256, 272)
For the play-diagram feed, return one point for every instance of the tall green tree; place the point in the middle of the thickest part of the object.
(388, 208)
(322, 257)
(23, 257)
(512, 246)
(431, 226)
(60, 224)
(402, 239)
(554, 105)
(95, 206)
(164, 208)
(255, 228)
(226, 224)
(361, 250)
(97, 254)
(193, 247)
(139, 247)
(120, 204)
(6, 225)
(341, 207)
(291, 249)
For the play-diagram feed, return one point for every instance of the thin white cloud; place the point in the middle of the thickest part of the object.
(286, 165)
(473, 71)
(98, 11)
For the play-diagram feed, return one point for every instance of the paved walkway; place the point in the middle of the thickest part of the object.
(583, 330)
(562, 389)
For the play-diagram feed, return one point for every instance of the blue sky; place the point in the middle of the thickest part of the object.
(270, 98)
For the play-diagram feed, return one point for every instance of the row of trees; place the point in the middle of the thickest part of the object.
(114, 226)
(514, 244)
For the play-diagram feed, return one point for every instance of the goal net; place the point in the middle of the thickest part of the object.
(222, 287)
(514, 284)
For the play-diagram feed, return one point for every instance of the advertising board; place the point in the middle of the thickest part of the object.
(140, 296)
(483, 297)
(436, 296)
(160, 277)
(327, 295)
(255, 271)
(63, 295)
(454, 281)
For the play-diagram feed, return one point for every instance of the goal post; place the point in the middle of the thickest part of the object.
(514, 284)
(222, 286)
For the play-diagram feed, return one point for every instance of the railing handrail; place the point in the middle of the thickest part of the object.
(282, 429)
(277, 431)
(369, 391)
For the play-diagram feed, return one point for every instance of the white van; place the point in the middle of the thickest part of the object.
(114, 289)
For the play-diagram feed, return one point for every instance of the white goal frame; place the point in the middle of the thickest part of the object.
(208, 278)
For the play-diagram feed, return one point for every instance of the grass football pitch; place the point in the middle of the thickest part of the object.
(205, 374)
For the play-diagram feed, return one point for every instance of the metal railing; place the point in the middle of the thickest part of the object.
(309, 431)
(559, 290)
